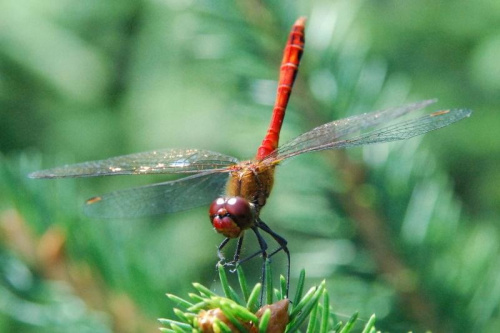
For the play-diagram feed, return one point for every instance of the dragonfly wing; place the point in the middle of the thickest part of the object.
(153, 162)
(407, 129)
(161, 198)
(331, 132)
(399, 131)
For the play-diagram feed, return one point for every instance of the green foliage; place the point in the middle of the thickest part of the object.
(409, 230)
(240, 312)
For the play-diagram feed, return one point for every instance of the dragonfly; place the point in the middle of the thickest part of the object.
(248, 184)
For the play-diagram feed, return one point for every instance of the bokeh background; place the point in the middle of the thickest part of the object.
(409, 231)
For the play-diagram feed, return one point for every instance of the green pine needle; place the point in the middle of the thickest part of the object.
(264, 321)
(204, 291)
(243, 283)
(283, 289)
(311, 327)
(197, 298)
(307, 298)
(220, 326)
(241, 312)
(277, 294)
(199, 306)
(350, 324)
(179, 329)
(181, 315)
(232, 318)
(228, 290)
(370, 325)
(325, 313)
(168, 330)
(180, 302)
(269, 282)
(174, 322)
(300, 287)
(231, 315)
(223, 280)
(306, 309)
(253, 299)
(337, 326)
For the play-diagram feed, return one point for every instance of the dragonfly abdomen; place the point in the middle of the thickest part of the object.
(288, 72)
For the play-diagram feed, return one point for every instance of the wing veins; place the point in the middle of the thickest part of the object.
(167, 161)
(407, 129)
(343, 127)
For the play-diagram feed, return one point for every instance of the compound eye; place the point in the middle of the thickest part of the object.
(216, 205)
(239, 208)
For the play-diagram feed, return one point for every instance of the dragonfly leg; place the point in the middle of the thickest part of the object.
(283, 246)
(263, 248)
(219, 250)
(235, 262)
(237, 253)
(262, 244)
(263, 252)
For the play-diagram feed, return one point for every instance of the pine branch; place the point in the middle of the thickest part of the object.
(208, 312)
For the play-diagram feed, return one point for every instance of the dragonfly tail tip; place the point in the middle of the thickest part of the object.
(301, 21)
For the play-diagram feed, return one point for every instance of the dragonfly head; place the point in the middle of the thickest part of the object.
(230, 216)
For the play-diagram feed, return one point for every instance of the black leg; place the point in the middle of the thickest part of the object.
(262, 245)
(263, 248)
(238, 249)
(219, 249)
(237, 254)
(282, 242)
(283, 246)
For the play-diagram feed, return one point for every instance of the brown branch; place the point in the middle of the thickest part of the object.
(376, 236)
(372, 230)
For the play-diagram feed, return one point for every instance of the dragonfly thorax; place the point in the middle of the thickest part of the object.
(231, 216)
(251, 181)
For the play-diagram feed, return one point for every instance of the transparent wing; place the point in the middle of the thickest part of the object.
(153, 162)
(337, 129)
(399, 131)
(161, 198)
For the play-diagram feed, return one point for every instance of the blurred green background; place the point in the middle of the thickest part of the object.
(408, 231)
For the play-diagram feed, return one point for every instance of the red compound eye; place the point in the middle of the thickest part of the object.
(239, 208)
(216, 205)
(230, 216)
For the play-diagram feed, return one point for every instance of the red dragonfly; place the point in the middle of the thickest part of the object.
(247, 184)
